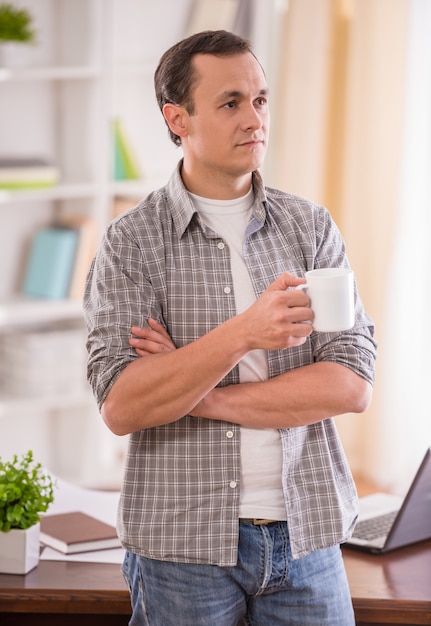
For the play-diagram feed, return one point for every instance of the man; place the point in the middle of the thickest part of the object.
(236, 493)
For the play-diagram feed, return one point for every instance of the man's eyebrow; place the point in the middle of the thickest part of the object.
(226, 95)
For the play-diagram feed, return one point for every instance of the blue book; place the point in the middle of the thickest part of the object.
(51, 262)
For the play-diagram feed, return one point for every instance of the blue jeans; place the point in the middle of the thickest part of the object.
(266, 588)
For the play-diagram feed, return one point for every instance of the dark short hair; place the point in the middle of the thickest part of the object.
(176, 77)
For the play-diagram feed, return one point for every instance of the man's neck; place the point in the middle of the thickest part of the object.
(221, 187)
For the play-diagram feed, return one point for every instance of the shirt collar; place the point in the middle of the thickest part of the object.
(183, 210)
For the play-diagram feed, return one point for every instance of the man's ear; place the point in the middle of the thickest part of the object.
(176, 118)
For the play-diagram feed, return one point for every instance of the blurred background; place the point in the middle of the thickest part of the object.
(82, 140)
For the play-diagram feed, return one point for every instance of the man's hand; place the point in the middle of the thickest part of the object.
(152, 340)
(281, 318)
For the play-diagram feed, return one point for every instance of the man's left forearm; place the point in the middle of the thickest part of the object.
(296, 398)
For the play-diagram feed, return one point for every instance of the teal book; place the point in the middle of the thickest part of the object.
(51, 262)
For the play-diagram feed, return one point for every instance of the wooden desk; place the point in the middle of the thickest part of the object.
(393, 589)
(65, 593)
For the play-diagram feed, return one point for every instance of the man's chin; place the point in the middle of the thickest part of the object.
(255, 163)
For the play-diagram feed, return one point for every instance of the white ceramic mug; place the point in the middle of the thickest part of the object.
(331, 293)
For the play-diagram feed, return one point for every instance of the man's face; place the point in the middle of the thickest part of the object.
(227, 133)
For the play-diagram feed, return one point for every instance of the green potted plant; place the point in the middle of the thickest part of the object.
(15, 24)
(16, 28)
(26, 491)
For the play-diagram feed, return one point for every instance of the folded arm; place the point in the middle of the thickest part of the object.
(167, 384)
(299, 397)
(296, 398)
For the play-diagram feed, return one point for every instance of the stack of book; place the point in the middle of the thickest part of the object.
(27, 173)
(80, 524)
(76, 531)
(33, 363)
(59, 259)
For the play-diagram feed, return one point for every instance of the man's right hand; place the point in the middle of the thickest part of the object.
(281, 318)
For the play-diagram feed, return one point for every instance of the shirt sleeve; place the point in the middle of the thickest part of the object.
(118, 295)
(356, 348)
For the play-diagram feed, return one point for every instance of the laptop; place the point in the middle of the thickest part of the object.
(386, 522)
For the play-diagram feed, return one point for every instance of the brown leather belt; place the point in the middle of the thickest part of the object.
(257, 522)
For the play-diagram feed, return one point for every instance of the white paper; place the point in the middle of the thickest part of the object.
(100, 504)
(115, 555)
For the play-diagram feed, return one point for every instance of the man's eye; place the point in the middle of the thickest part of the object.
(229, 105)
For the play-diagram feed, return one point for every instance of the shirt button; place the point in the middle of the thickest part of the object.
(232, 484)
(229, 434)
(227, 290)
(220, 245)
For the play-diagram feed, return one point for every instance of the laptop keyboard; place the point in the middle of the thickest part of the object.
(375, 527)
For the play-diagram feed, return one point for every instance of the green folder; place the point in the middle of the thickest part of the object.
(125, 166)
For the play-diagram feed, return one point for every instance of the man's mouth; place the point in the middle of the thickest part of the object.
(252, 143)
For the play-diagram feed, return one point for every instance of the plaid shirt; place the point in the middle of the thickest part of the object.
(181, 486)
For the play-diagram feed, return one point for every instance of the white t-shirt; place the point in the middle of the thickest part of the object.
(261, 454)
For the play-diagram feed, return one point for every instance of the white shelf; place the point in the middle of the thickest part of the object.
(29, 313)
(126, 188)
(57, 192)
(11, 404)
(50, 73)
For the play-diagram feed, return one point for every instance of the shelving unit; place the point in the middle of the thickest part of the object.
(93, 62)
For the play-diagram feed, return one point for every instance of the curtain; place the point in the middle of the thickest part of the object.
(404, 406)
(352, 130)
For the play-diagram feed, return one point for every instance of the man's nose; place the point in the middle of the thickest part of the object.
(252, 119)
